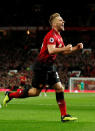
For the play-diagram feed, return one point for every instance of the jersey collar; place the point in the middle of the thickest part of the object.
(55, 31)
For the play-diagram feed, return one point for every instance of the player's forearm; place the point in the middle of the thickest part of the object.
(59, 50)
(75, 48)
(66, 52)
(55, 50)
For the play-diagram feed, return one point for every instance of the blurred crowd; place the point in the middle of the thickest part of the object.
(21, 61)
(14, 64)
(82, 62)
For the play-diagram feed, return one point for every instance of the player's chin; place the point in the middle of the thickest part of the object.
(62, 28)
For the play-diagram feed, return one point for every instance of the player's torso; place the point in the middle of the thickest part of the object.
(52, 38)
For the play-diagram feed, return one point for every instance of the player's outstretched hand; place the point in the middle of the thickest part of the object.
(80, 45)
(68, 47)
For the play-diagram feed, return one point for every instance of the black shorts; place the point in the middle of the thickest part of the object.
(44, 74)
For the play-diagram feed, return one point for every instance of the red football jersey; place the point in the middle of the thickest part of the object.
(51, 38)
(22, 79)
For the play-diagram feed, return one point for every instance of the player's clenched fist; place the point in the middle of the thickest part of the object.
(80, 45)
(69, 47)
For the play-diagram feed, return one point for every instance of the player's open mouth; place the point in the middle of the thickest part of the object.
(62, 26)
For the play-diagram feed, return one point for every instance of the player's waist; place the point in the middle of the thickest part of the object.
(45, 66)
(46, 58)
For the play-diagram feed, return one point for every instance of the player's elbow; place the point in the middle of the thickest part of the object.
(51, 52)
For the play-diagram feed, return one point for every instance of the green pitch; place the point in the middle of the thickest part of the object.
(42, 113)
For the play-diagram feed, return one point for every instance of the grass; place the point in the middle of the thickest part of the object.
(42, 113)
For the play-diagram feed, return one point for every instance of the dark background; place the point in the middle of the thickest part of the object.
(79, 26)
(37, 12)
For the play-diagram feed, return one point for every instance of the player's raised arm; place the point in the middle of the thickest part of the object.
(53, 50)
(79, 46)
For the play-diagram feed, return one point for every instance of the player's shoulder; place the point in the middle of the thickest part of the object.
(51, 33)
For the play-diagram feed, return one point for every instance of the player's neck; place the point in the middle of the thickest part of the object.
(56, 30)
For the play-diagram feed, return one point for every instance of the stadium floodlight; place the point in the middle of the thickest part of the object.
(81, 84)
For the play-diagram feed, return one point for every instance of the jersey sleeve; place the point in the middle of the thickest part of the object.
(51, 40)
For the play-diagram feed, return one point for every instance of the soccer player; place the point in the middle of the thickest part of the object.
(21, 87)
(45, 71)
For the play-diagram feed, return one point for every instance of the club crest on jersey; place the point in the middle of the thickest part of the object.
(51, 40)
